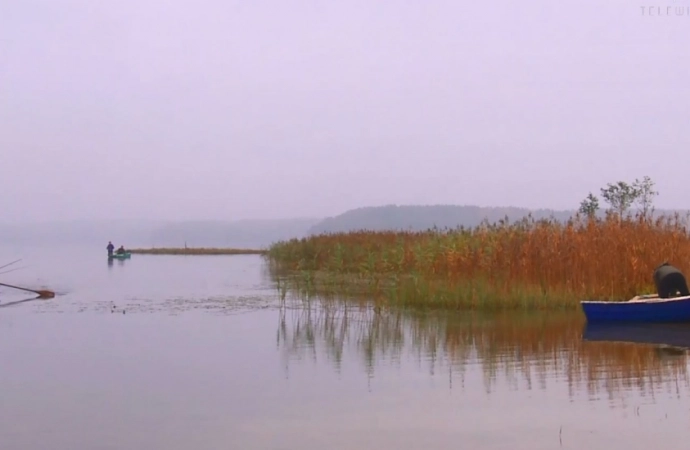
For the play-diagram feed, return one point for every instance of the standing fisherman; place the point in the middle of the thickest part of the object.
(110, 248)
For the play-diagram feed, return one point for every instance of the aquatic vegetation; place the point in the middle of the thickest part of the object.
(525, 348)
(196, 251)
(538, 264)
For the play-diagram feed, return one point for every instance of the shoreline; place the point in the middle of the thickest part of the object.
(198, 251)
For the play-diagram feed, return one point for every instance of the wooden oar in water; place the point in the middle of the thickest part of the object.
(42, 293)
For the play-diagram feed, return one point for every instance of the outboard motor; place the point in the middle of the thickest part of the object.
(670, 281)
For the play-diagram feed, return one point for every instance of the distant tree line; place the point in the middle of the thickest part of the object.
(616, 199)
(425, 217)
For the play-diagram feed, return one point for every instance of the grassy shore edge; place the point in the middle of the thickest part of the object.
(198, 251)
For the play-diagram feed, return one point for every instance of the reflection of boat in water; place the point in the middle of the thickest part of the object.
(668, 335)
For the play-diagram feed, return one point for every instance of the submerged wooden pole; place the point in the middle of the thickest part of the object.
(41, 293)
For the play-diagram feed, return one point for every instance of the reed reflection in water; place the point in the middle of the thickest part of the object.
(525, 351)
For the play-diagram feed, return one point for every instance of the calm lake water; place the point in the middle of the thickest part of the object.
(198, 353)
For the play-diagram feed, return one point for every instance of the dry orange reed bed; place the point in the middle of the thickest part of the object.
(528, 264)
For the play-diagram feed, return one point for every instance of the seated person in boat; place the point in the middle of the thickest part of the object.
(670, 281)
(121, 250)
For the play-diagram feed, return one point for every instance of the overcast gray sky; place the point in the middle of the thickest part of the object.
(270, 109)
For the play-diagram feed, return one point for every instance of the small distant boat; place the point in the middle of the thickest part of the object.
(125, 255)
(642, 308)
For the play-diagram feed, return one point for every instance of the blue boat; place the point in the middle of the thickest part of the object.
(643, 308)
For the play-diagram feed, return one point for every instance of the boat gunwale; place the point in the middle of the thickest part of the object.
(635, 300)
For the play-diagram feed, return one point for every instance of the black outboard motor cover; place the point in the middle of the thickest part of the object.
(670, 281)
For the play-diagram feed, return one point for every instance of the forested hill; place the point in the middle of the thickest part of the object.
(417, 218)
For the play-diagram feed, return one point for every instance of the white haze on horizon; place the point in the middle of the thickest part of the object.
(248, 110)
